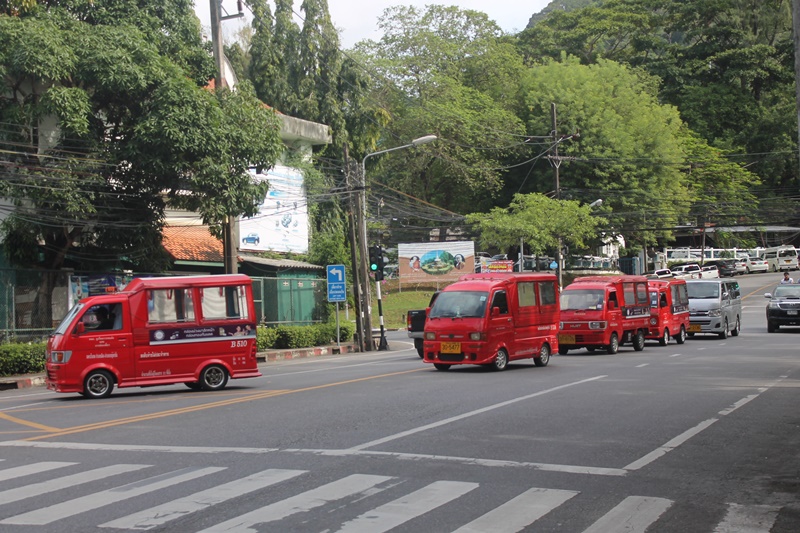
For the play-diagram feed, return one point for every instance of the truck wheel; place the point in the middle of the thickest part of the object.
(613, 344)
(98, 384)
(441, 366)
(562, 350)
(680, 338)
(194, 385)
(772, 327)
(664, 340)
(500, 360)
(418, 344)
(737, 328)
(544, 356)
(213, 377)
(638, 341)
(724, 334)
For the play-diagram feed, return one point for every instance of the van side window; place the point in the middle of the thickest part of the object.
(547, 292)
(224, 302)
(170, 305)
(499, 300)
(641, 293)
(679, 295)
(629, 293)
(527, 294)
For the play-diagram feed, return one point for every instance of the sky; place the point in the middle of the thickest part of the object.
(357, 19)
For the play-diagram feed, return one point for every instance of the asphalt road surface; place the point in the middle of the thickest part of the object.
(700, 437)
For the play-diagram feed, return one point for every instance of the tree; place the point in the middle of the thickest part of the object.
(106, 116)
(539, 221)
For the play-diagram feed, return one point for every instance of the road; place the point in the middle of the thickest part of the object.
(700, 437)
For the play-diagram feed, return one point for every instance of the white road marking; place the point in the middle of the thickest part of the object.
(157, 516)
(671, 445)
(643, 365)
(337, 490)
(469, 414)
(633, 515)
(748, 519)
(410, 506)
(65, 482)
(134, 447)
(518, 513)
(90, 502)
(27, 470)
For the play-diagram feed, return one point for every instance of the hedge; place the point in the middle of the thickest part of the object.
(22, 358)
(29, 358)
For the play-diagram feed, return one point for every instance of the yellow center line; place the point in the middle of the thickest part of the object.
(212, 405)
(22, 422)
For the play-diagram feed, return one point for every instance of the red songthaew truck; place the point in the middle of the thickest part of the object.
(197, 330)
(669, 310)
(491, 319)
(603, 312)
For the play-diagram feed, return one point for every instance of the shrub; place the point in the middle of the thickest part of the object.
(266, 337)
(22, 358)
(290, 337)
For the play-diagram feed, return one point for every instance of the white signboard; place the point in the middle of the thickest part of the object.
(282, 222)
(435, 261)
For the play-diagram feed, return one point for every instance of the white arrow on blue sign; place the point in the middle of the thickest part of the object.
(337, 289)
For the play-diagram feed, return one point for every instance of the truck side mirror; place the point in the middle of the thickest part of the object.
(495, 311)
(767, 295)
(612, 304)
(427, 311)
(80, 328)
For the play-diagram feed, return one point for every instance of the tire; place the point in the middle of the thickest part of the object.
(562, 350)
(98, 384)
(419, 345)
(500, 360)
(772, 327)
(613, 344)
(194, 385)
(664, 340)
(737, 328)
(724, 334)
(213, 377)
(544, 356)
(638, 341)
(441, 366)
(680, 338)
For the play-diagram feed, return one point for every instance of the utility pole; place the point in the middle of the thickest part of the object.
(351, 218)
(796, 34)
(229, 240)
(556, 164)
(366, 307)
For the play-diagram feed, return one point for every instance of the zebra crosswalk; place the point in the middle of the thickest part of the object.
(56, 492)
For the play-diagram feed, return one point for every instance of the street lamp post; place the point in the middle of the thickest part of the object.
(382, 344)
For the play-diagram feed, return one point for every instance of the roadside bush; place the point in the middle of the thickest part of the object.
(290, 337)
(22, 358)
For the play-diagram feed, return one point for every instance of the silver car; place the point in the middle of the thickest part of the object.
(715, 306)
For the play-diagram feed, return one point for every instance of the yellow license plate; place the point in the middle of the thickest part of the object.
(695, 328)
(451, 347)
(564, 338)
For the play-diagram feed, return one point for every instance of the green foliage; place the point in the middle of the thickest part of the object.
(291, 337)
(22, 358)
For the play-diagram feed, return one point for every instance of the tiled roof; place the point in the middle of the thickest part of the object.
(192, 243)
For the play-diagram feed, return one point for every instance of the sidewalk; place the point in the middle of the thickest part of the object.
(37, 380)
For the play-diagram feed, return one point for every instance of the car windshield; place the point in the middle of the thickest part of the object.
(787, 291)
(582, 299)
(459, 304)
(65, 322)
(703, 290)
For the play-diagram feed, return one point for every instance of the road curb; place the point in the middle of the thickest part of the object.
(37, 380)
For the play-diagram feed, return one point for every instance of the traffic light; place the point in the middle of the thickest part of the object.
(376, 261)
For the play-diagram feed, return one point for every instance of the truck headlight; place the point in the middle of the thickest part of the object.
(476, 336)
(773, 305)
(714, 312)
(430, 336)
(597, 325)
(653, 321)
(59, 356)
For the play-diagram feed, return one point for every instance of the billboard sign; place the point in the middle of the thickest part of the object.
(435, 261)
(281, 224)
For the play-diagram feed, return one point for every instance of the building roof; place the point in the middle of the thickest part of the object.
(279, 263)
(192, 243)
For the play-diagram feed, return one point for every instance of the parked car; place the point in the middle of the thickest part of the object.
(741, 265)
(757, 264)
(725, 267)
(783, 308)
(690, 271)
(661, 273)
(710, 272)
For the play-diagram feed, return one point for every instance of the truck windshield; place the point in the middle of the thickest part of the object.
(459, 304)
(582, 299)
(67, 320)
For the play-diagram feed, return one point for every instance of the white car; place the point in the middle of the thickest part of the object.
(741, 265)
(756, 264)
(691, 271)
(710, 271)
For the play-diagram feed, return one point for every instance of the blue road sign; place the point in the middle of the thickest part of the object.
(337, 283)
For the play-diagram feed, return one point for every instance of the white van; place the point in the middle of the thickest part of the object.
(780, 258)
(715, 306)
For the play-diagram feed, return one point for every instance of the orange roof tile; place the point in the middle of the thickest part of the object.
(192, 243)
